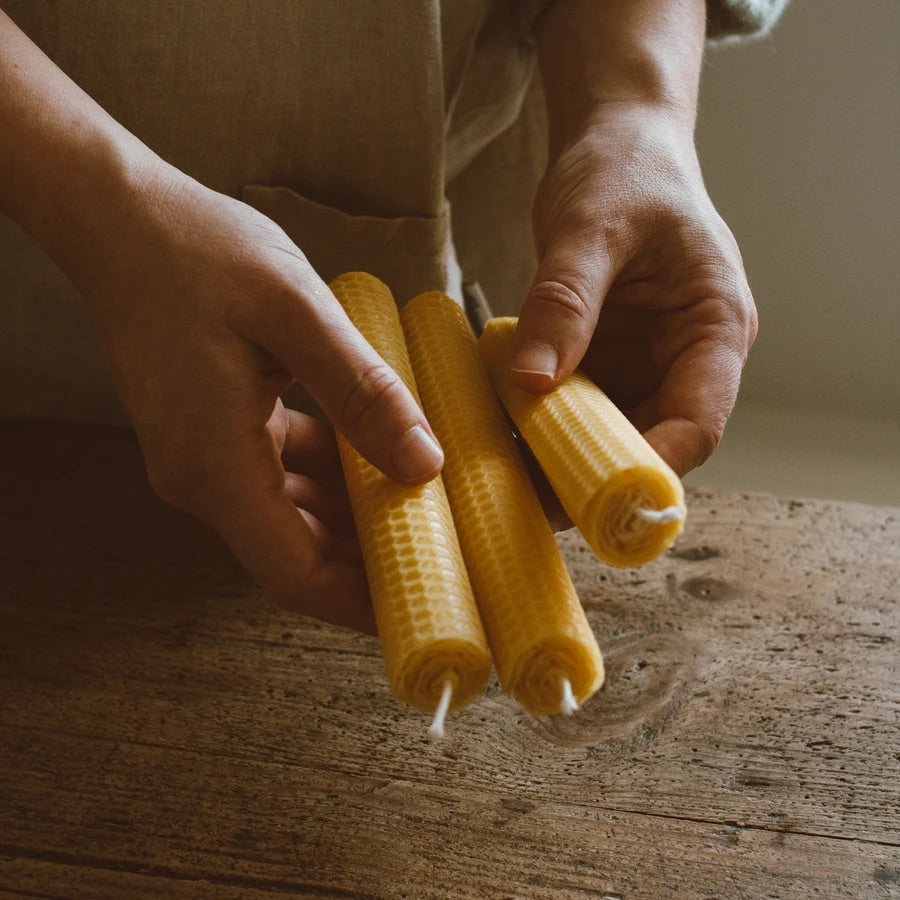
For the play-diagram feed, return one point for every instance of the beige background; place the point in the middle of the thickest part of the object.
(798, 136)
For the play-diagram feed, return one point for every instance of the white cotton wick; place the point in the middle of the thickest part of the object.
(436, 729)
(662, 516)
(569, 704)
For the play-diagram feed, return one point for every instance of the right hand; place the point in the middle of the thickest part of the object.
(208, 312)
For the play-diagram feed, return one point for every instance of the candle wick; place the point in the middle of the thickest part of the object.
(662, 516)
(569, 704)
(436, 729)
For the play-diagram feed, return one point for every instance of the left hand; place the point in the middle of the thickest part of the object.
(639, 281)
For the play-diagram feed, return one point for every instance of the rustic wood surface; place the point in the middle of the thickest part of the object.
(165, 732)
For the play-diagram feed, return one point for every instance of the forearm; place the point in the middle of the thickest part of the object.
(600, 56)
(64, 163)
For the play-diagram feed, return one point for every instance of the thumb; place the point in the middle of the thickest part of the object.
(559, 315)
(359, 392)
(370, 405)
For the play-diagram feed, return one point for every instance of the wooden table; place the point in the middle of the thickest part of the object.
(164, 732)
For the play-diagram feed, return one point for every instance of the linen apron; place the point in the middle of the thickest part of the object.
(401, 137)
(348, 122)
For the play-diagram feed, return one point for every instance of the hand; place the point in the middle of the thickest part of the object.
(207, 312)
(639, 281)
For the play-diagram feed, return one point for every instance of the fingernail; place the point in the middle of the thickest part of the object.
(418, 456)
(537, 359)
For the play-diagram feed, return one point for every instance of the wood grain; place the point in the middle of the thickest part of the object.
(165, 731)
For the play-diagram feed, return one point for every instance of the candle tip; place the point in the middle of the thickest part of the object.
(436, 729)
(569, 704)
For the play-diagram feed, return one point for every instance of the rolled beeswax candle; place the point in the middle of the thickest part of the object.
(626, 502)
(430, 631)
(543, 647)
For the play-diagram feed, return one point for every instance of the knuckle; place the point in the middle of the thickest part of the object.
(707, 438)
(741, 318)
(699, 441)
(750, 318)
(168, 482)
(565, 294)
(370, 391)
(176, 478)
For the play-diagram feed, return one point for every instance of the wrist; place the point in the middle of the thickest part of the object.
(67, 168)
(82, 206)
(620, 60)
(626, 139)
(633, 119)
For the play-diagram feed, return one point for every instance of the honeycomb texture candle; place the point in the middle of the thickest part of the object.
(430, 631)
(539, 636)
(626, 502)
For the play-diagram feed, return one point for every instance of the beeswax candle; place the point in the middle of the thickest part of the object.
(431, 635)
(626, 502)
(543, 648)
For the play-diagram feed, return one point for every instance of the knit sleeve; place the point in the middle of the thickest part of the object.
(734, 19)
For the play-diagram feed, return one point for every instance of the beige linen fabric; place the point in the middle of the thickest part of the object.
(335, 119)
(359, 126)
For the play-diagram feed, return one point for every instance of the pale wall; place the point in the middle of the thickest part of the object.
(798, 135)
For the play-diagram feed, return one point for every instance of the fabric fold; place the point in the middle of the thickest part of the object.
(411, 254)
